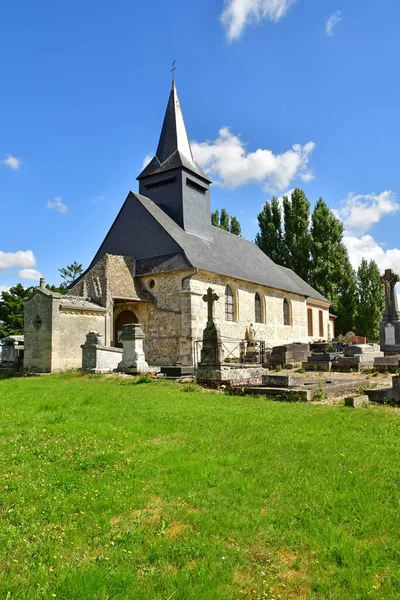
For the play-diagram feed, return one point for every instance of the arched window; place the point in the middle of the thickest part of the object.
(310, 322)
(257, 308)
(321, 324)
(286, 312)
(229, 304)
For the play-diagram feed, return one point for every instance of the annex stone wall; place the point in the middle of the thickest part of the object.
(55, 328)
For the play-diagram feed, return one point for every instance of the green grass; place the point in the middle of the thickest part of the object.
(114, 490)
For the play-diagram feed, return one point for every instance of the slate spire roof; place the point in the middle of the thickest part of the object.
(173, 149)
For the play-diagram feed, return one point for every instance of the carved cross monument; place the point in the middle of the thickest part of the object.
(210, 298)
(390, 325)
(211, 353)
(389, 280)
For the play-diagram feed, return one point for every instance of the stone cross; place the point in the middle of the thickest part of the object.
(389, 280)
(210, 298)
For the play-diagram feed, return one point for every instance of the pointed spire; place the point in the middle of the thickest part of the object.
(173, 136)
(173, 149)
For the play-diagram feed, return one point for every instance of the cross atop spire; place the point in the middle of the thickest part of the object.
(173, 69)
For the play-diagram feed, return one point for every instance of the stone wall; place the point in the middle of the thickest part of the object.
(38, 328)
(326, 331)
(55, 329)
(272, 330)
(179, 314)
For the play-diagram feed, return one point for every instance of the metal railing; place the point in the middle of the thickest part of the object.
(234, 351)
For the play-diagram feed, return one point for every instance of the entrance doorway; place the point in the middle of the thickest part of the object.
(125, 318)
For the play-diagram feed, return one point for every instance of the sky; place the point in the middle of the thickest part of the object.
(276, 94)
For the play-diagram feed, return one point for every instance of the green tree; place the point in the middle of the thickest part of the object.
(297, 239)
(371, 300)
(12, 310)
(215, 218)
(270, 236)
(226, 222)
(70, 273)
(346, 305)
(235, 227)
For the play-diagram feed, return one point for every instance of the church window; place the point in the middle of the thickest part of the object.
(286, 312)
(229, 304)
(195, 186)
(257, 308)
(310, 322)
(321, 324)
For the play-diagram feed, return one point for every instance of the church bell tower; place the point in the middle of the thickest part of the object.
(173, 179)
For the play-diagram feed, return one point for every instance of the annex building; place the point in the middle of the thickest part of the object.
(156, 263)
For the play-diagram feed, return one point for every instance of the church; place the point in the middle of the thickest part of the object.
(157, 261)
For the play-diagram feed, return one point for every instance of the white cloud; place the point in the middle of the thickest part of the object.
(147, 159)
(367, 247)
(360, 212)
(333, 20)
(22, 258)
(4, 288)
(12, 162)
(29, 274)
(57, 204)
(226, 160)
(238, 14)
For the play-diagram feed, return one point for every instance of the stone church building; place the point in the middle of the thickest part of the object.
(156, 263)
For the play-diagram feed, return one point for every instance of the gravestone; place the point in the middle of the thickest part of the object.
(390, 395)
(211, 352)
(133, 357)
(357, 356)
(13, 352)
(390, 324)
(288, 355)
(97, 358)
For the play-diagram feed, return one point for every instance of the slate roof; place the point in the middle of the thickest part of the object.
(173, 149)
(226, 254)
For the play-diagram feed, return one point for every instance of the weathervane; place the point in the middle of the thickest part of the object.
(173, 69)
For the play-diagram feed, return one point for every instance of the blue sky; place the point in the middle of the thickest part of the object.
(275, 93)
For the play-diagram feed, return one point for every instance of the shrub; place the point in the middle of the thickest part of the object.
(192, 387)
(319, 395)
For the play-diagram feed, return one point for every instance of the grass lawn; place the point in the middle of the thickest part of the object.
(116, 490)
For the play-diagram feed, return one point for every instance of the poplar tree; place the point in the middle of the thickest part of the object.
(297, 240)
(328, 253)
(371, 300)
(235, 227)
(270, 236)
(346, 305)
(226, 222)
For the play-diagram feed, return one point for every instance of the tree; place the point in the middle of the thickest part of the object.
(226, 222)
(12, 310)
(346, 305)
(70, 273)
(235, 227)
(296, 211)
(270, 236)
(215, 218)
(371, 300)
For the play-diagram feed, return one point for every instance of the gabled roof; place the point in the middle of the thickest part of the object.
(158, 244)
(173, 149)
(227, 254)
